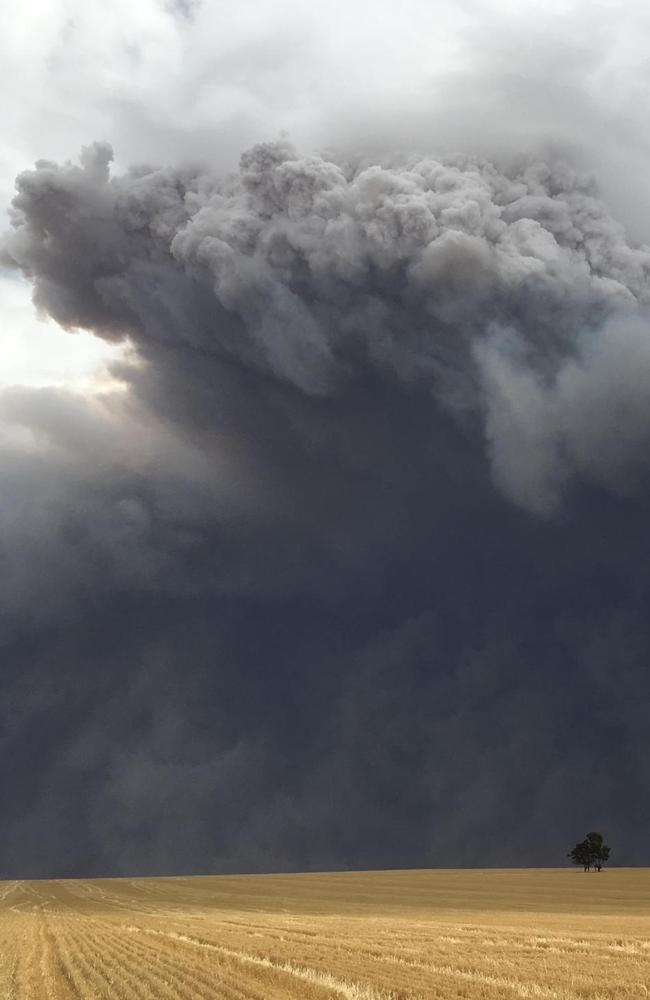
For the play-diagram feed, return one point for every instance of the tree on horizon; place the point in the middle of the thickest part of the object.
(590, 852)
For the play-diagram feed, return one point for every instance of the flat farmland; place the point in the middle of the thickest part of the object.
(359, 935)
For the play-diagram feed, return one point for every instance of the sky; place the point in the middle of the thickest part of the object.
(324, 435)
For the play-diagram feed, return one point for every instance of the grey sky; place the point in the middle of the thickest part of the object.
(336, 560)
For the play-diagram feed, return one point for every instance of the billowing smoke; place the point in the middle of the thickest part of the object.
(512, 296)
(348, 570)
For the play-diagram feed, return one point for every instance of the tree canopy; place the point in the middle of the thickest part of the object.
(591, 852)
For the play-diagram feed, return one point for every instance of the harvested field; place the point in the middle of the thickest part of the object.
(361, 936)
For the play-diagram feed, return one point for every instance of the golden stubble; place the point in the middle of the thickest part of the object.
(489, 934)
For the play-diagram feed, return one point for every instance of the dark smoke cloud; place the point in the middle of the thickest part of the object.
(509, 294)
(347, 572)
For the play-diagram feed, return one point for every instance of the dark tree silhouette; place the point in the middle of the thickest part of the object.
(580, 855)
(590, 852)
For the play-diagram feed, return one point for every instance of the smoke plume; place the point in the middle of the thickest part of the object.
(347, 572)
(513, 298)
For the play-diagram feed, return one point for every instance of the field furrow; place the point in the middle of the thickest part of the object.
(314, 977)
(355, 936)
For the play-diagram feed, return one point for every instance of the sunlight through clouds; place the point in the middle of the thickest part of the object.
(37, 352)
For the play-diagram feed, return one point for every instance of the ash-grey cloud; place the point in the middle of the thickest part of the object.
(501, 291)
(264, 607)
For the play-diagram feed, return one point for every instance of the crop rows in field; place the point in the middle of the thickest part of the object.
(367, 936)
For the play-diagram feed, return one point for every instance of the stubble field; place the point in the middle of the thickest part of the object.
(362, 936)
